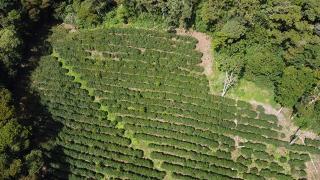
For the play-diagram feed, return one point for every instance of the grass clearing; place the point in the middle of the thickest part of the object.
(243, 90)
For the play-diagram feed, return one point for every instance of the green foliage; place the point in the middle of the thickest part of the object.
(122, 14)
(10, 45)
(146, 80)
(6, 109)
(231, 32)
(118, 16)
(310, 57)
(35, 8)
(312, 142)
(16, 23)
(308, 111)
(13, 19)
(149, 78)
(283, 160)
(293, 84)
(208, 14)
(179, 12)
(86, 15)
(263, 62)
(175, 12)
(83, 13)
(260, 40)
(6, 6)
(13, 139)
(34, 161)
(231, 60)
(18, 20)
(148, 21)
(214, 14)
(9, 168)
(8, 40)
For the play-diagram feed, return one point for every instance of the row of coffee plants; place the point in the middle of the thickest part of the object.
(87, 138)
(152, 85)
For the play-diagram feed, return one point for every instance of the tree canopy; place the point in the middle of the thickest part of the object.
(14, 139)
(274, 41)
(293, 84)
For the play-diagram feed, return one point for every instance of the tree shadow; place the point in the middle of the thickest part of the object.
(32, 113)
(44, 132)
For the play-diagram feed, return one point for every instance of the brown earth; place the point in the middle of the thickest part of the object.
(284, 120)
(203, 46)
(69, 27)
(313, 166)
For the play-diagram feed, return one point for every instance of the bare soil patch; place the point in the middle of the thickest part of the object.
(69, 27)
(283, 115)
(313, 167)
(203, 46)
(284, 120)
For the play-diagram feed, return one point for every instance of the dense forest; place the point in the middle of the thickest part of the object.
(273, 43)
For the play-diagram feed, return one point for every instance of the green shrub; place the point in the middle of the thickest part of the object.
(283, 159)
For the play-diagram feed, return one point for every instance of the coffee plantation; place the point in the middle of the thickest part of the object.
(134, 104)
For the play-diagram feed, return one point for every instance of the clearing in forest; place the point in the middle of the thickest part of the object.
(135, 104)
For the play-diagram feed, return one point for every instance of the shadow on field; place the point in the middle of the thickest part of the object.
(31, 111)
(45, 131)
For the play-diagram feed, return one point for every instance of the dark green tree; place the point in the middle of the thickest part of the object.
(308, 110)
(293, 84)
(231, 32)
(10, 45)
(175, 12)
(263, 63)
(34, 161)
(13, 139)
(35, 8)
(84, 13)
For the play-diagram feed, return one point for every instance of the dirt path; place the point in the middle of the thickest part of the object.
(284, 120)
(204, 46)
(288, 127)
(70, 27)
(313, 166)
(270, 110)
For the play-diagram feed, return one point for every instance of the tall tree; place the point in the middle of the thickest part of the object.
(13, 139)
(35, 8)
(10, 45)
(293, 84)
(16, 158)
(175, 12)
(263, 62)
(308, 110)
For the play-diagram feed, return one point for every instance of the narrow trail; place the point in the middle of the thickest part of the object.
(284, 120)
(313, 166)
(203, 46)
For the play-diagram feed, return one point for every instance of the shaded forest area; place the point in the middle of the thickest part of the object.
(274, 43)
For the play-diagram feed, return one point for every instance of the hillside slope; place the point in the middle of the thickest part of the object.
(134, 104)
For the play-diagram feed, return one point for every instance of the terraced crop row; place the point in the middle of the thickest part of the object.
(134, 104)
